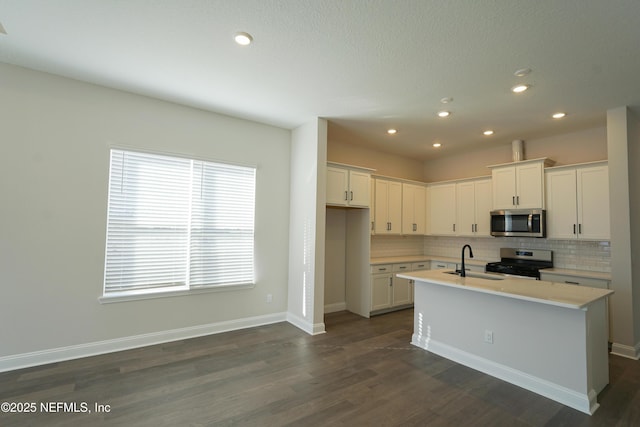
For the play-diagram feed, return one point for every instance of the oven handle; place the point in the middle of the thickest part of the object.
(530, 223)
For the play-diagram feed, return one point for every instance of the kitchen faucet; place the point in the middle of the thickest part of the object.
(462, 270)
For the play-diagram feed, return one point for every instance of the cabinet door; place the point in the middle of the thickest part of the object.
(359, 189)
(465, 208)
(593, 203)
(337, 186)
(504, 187)
(394, 208)
(561, 204)
(381, 213)
(413, 209)
(483, 207)
(442, 209)
(530, 186)
(401, 291)
(380, 291)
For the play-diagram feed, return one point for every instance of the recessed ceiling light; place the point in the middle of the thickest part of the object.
(520, 88)
(437, 145)
(392, 131)
(243, 39)
(488, 132)
(446, 100)
(559, 115)
(444, 113)
(522, 72)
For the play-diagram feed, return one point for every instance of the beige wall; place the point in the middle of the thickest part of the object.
(569, 148)
(384, 163)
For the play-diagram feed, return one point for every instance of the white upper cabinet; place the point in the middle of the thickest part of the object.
(442, 209)
(473, 207)
(414, 205)
(388, 207)
(348, 187)
(578, 202)
(519, 185)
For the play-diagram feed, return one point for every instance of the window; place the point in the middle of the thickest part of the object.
(177, 224)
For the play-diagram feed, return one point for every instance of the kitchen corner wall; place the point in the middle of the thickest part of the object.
(569, 254)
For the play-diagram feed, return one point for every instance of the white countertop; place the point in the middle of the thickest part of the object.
(579, 273)
(551, 293)
(419, 258)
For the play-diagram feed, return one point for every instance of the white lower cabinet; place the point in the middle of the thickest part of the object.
(388, 291)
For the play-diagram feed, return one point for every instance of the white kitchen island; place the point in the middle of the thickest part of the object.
(549, 338)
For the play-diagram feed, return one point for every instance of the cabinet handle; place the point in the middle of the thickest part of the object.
(345, 195)
(571, 283)
(402, 267)
(390, 281)
(513, 200)
(579, 228)
(517, 200)
(352, 195)
(454, 227)
(415, 227)
(574, 229)
(382, 269)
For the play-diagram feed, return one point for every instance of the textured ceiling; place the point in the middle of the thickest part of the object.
(365, 65)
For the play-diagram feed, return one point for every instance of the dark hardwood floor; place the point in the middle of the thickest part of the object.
(362, 372)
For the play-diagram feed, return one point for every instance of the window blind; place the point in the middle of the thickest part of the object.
(175, 222)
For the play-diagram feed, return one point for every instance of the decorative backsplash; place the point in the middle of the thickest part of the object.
(569, 254)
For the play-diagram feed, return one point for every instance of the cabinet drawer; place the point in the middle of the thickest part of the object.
(438, 265)
(424, 265)
(382, 268)
(399, 268)
(573, 280)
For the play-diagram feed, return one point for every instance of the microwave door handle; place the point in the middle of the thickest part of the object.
(530, 223)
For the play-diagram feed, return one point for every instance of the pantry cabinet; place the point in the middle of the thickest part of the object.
(414, 205)
(473, 207)
(348, 186)
(519, 185)
(387, 207)
(578, 202)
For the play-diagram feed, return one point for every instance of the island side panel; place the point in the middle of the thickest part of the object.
(540, 347)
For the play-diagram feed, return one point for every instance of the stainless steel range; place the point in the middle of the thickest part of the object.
(522, 262)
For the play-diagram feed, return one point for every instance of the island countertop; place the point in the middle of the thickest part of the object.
(551, 293)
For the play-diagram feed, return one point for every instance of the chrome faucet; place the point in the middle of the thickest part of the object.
(462, 270)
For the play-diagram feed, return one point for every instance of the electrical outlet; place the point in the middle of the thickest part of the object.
(269, 298)
(488, 336)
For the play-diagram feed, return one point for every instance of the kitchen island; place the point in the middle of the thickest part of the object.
(549, 338)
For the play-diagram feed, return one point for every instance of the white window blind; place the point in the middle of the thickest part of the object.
(177, 223)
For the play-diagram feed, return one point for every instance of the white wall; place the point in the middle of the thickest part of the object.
(307, 226)
(623, 138)
(335, 271)
(55, 138)
(568, 148)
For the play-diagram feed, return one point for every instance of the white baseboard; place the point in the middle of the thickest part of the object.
(310, 328)
(626, 350)
(586, 403)
(25, 360)
(333, 308)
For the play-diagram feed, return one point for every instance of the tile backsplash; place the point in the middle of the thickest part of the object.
(570, 254)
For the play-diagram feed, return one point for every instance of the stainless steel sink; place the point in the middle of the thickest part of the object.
(478, 275)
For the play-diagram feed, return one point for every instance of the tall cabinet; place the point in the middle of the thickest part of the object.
(414, 205)
(473, 207)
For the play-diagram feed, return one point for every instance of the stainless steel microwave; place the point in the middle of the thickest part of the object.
(519, 223)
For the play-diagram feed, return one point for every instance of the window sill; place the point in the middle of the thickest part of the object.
(169, 292)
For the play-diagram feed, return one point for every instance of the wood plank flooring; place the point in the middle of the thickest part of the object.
(362, 372)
